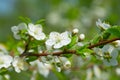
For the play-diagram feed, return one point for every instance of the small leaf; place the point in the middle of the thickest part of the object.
(25, 19)
(73, 42)
(3, 71)
(96, 39)
(31, 58)
(40, 21)
(115, 30)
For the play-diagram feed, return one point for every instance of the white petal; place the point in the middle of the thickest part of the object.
(97, 71)
(17, 36)
(22, 26)
(50, 42)
(113, 62)
(105, 48)
(57, 45)
(39, 26)
(105, 62)
(15, 29)
(66, 41)
(64, 35)
(31, 27)
(40, 36)
(43, 70)
(54, 35)
(114, 53)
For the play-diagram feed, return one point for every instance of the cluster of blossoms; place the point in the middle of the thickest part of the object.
(57, 43)
(7, 61)
(54, 41)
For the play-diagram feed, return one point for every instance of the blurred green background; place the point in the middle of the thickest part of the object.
(61, 15)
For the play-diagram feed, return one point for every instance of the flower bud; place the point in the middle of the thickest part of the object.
(81, 36)
(75, 31)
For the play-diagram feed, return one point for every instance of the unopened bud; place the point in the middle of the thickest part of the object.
(75, 31)
(82, 36)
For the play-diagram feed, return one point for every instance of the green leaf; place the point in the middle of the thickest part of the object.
(40, 21)
(31, 58)
(86, 50)
(25, 19)
(73, 41)
(105, 35)
(96, 39)
(3, 71)
(115, 30)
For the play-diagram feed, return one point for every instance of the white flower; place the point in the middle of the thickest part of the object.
(112, 53)
(36, 31)
(5, 61)
(101, 25)
(17, 29)
(58, 40)
(43, 68)
(19, 64)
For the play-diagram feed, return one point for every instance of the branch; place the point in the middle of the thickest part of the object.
(67, 51)
(103, 42)
(54, 53)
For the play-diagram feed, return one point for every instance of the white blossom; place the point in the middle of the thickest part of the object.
(58, 40)
(43, 68)
(110, 51)
(5, 61)
(103, 25)
(36, 31)
(17, 29)
(19, 64)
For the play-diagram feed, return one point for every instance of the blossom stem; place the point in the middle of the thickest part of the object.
(68, 51)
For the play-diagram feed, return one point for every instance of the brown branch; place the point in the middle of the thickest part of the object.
(54, 53)
(68, 51)
(103, 42)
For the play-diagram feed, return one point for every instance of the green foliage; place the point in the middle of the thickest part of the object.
(74, 40)
(114, 30)
(25, 19)
(3, 71)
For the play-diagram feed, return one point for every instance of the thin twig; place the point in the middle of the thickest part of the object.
(103, 42)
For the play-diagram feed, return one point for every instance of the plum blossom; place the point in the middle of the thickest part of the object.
(36, 31)
(19, 64)
(58, 40)
(103, 25)
(43, 68)
(18, 29)
(61, 63)
(5, 61)
(110, 55)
